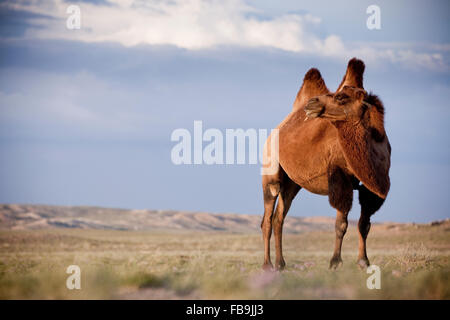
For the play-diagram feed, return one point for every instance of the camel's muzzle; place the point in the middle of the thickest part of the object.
(314, 108)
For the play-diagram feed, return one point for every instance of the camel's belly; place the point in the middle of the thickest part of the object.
(311, 171)
(316, 183)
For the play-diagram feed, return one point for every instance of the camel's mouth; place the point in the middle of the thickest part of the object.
(335, 113)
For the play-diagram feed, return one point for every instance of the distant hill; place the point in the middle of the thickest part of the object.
(28, 217)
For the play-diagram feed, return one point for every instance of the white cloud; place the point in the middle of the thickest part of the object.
(190, 24)
(203, 24)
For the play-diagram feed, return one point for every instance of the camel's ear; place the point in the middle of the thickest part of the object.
(313, 85)
(354, 75)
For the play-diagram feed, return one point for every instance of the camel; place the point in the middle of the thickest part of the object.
(330, 144)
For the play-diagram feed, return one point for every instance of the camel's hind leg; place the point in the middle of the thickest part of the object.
(370, 203)
(288, 191)
(340, 195)
(271, 189)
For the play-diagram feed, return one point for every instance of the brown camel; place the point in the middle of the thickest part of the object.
(330, 144)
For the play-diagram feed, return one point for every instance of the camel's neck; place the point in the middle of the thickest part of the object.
(376, 123)
(368, 159)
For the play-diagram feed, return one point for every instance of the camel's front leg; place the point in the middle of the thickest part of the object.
(341, 229)
(363, 231)
(370, 203)
(340, 195)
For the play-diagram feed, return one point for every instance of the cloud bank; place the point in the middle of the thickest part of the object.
(201, 24)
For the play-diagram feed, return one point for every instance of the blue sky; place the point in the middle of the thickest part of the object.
(86, 115)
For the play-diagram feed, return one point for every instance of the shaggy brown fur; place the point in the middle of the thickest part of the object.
(329, 144)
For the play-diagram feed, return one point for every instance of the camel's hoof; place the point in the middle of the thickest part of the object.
(363, 264)
(279, 266)
(267, 266)
(335, 263)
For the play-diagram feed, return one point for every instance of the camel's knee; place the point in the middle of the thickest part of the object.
(266, 225)
(263, 224)
(364, 226)
(277, 224)
(341, 227)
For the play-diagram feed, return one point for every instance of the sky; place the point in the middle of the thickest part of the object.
(86, 115)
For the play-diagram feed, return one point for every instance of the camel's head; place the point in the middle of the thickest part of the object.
(346, 105)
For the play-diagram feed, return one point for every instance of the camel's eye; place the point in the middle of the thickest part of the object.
(341, 98)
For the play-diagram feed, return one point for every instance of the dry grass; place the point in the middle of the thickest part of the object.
(215, 265)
